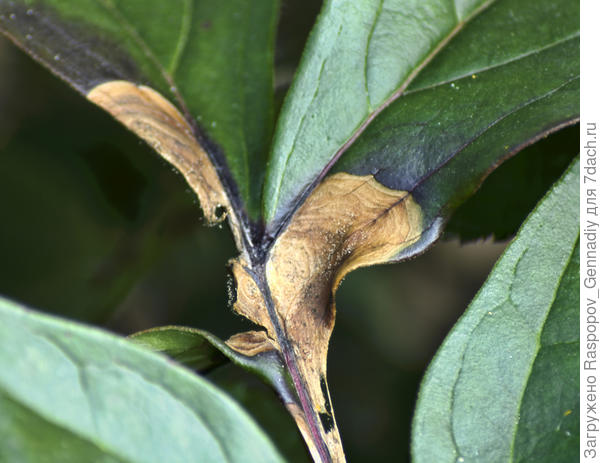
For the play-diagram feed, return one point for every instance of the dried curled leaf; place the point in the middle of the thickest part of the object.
(251, 343)
(347, 222)
(153, 118)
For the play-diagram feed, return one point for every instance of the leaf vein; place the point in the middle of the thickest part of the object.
(184, 35)
(367, 51)
(65, 428)
(485, 129)
(135, 36)
(494, 66)
(538, 342)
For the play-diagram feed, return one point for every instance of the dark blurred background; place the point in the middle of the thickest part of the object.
(96, 227)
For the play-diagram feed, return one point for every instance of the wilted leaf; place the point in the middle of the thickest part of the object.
(503, 386)
(108, 400)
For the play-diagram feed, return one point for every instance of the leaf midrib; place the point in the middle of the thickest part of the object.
(186, 22)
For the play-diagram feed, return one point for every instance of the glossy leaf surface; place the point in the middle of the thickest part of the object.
(213, 61)
(503, 386)
(123, 403)
(492, 77)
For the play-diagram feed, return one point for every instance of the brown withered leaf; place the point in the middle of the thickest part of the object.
(153, 118)
(347, 222)
(252, 343)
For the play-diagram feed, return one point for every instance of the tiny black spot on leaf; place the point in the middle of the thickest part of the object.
(326, 421)
(220, 212)
(325, 394)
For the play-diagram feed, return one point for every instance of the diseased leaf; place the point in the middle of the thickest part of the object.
(214, 62)
(510, 363)
(359, 119)
(146, 113)
(123, 403)
(360, 57)
(347, 222)
(452, 168)
(495, 62)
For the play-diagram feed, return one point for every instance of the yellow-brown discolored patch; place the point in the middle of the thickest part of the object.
(347, 222)
(251, 343)
(250, 301)
(153, 118)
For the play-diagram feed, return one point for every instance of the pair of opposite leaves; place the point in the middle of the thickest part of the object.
(348, 221)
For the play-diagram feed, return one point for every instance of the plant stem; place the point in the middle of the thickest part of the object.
(292, 367)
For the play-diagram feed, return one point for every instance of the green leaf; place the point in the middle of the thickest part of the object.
(492, 77)
(110, 400)
(203, 351)
(213, 61)
(503, 386)
(194, 348)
